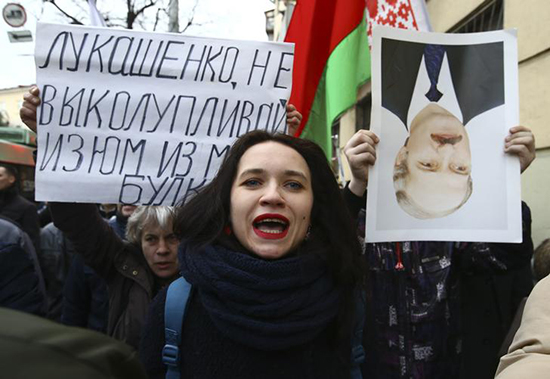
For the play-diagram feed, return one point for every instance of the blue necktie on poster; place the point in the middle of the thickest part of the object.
(433, 57)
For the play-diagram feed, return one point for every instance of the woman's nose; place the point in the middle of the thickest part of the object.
(162, 247)
(272, 196)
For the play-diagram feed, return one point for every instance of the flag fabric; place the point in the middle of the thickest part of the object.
(331, 59)
(95, 18)
(402, 14)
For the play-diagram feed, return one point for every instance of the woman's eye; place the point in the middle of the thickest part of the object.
(252, 183)
(294, 185)
(427, 164)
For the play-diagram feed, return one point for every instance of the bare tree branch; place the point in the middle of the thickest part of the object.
(135, 10)
(142, 9)
(74, 20)
(157, 18)
(191, 17)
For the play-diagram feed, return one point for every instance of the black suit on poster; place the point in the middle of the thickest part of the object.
(477, 73)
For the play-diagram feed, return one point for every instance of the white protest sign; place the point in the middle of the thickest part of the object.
(147, 118)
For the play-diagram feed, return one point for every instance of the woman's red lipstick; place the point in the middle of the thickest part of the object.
(273, 219)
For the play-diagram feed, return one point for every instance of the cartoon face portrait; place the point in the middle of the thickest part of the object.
(432, 170)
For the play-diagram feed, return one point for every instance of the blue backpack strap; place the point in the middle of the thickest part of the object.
(174, 313)
(357, 350)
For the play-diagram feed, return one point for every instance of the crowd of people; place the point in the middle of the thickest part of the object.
(280, 281)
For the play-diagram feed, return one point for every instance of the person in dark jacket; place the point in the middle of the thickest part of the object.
(272, 256)
(85, 295)
(135, 270)
(21, 283)
(16, 207)
(414, 326)
(56, 254)
(85, 298)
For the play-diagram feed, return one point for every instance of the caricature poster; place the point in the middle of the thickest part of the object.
(442, 106)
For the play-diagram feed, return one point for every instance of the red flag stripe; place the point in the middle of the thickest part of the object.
(317, 27)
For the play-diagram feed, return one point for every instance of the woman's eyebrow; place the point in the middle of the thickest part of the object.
(260, 171)
(296, 173)
(252, 171)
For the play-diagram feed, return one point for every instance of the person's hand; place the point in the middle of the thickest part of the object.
(361, 153)
(28, 110)
(521, 142)
(293, 119)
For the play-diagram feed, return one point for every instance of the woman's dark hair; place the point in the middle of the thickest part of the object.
(202, 220)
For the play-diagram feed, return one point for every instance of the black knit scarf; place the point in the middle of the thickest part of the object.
(267, 305)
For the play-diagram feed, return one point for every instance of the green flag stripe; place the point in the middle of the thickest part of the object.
(347, 67)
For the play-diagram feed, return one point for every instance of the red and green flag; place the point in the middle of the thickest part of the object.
(331, 60)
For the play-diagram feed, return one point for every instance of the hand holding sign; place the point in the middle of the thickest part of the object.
(28, 110)
(521, 142)
(360, 152)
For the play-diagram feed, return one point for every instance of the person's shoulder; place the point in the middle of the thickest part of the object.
(529, 354)
(77, 351)
(10, 232)
(22, 201)
(541, 293)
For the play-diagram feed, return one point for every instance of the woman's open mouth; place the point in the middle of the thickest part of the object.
(271, 226)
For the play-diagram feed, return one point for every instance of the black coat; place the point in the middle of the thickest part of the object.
(23, 212)
(85, 298)
(20, 286)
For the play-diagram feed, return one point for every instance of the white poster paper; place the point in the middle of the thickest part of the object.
(147, 118)
(441, 172)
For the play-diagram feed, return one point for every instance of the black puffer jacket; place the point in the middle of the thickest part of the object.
(23, 212)
(20, 284)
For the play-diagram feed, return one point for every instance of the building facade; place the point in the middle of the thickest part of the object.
(11, 100)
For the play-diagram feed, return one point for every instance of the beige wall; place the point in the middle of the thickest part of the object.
(347, 130)
(534, 88)
(531, 19)
(534, 95)
(535, 184)
(12, 98)
(444, 14)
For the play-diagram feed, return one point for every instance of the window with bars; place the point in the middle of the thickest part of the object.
(363, 112)
(490, 16)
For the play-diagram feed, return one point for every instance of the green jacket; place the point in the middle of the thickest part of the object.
(33, 347)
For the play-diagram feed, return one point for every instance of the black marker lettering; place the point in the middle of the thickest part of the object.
(77, 150)
(46, 103)
(281, 68)
(254, 65)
